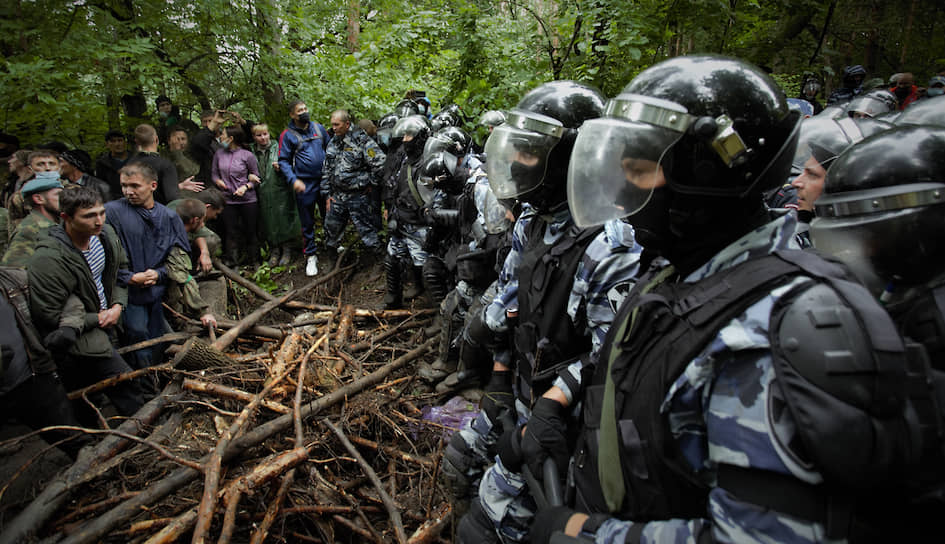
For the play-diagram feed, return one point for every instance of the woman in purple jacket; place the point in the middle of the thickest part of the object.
(236, 172)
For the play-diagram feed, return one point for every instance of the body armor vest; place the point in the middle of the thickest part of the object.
(545, 338)
(405, 198)
(663, 325)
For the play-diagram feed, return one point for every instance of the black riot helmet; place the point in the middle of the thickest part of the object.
(853, 76)
(414, 131)
(385, 128)
(824, 138)
(440, 170)
(450, 116)
(529, 153)
(882, 209)
(406, 107)
(702, 137)
(930, 111)
(492, 118)
(452, 139)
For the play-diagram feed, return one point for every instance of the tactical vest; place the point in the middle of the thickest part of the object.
(407, 198)
(545, 339)
(14, 284)
(666, 324)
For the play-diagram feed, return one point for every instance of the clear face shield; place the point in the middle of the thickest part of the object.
(384, 136)
(518, 152)
(811, 88)
(616, 162)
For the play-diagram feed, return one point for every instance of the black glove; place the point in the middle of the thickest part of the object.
(61, 339)
(548, 521)
(509, 449)
(498, 395)
(545, 436)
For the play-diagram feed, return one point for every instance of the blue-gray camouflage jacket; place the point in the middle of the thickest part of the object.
(352, 162)
(718, 413)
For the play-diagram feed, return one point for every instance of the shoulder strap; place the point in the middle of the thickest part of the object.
(413, 186)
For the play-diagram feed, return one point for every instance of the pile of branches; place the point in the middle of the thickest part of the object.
(314, 436)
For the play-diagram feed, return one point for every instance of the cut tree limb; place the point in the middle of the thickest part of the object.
(392, 509)
(97, 528)
(35, 515)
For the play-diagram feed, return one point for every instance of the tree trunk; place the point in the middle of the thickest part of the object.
(354, 24)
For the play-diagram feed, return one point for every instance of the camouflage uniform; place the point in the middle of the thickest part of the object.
(183, 293)
(24, 240)
(214, 244)
(718, 412)
(352, 169)
(604, 277)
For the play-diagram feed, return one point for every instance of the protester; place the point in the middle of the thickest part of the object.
(236, 173)
(83, 257)
(301, 158)
(277, 208)
(147, 231)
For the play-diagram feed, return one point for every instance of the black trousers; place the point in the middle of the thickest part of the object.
(41, 402)
(78, 372)
(240, 222)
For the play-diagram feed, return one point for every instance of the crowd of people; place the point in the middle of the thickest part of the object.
(698, 311)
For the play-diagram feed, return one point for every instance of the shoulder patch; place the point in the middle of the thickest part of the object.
(617, 294)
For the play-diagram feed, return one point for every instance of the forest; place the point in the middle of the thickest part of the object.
(74, 69)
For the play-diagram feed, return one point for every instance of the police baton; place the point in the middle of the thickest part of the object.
(547, 493)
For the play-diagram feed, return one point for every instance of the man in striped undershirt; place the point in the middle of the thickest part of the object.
(82, 256)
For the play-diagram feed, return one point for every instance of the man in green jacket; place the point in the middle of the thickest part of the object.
(82, 257)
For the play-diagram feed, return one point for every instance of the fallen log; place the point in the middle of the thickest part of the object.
(38, 512)
(208, 502)
(97, 528)
(169, 337)
(365, 344)
(393, 452)
(260, 475)
(231, 393)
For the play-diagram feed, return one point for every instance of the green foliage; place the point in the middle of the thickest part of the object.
(71, 70)
(263, 275)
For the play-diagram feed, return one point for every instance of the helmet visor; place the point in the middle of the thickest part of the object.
(409, 126)
(614, 168)
(824, 139)
(518, 152)
(437, 143)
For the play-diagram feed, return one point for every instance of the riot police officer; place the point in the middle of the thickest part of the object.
(711, 415)
(871, 210)
(546, 276)
(407, 221)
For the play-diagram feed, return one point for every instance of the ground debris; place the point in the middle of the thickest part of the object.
(271, 431)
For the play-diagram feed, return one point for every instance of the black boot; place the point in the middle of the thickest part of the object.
(417, 288)
(393, 300)
(434, 278)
